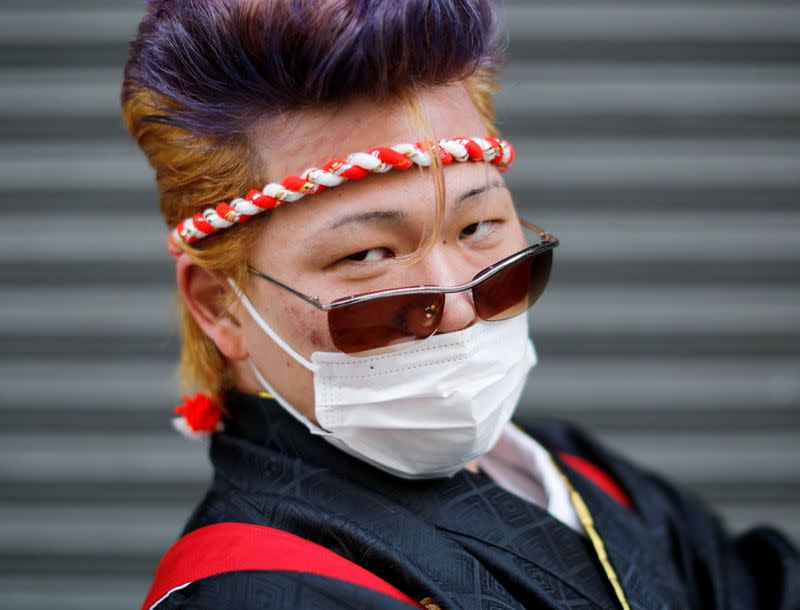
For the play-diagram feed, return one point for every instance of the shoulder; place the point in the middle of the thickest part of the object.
(241, 565)
(277, 590)
(760, 564)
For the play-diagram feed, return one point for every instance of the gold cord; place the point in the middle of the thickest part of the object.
(585, 517)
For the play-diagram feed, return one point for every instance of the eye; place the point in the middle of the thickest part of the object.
(370, 256)
(478, 229)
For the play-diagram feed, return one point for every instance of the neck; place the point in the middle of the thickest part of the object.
(473, 467)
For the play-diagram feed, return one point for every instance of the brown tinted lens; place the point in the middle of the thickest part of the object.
(385, 322)
(514, 289)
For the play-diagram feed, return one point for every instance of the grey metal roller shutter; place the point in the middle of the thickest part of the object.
(658, 140)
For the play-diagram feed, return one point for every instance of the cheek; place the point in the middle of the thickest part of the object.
(316, 338)
(315, 328)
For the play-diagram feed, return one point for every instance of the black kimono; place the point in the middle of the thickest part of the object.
(465, 542)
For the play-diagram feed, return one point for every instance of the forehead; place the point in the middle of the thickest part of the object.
(406, 198)
(290, 144)
(287, 144)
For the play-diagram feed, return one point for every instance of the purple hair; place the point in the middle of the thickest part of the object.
(220, 64)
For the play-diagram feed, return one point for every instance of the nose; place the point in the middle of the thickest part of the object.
(459, 311)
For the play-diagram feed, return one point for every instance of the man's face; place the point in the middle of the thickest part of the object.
(359, 237)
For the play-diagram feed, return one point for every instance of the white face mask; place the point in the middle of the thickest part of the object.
(422, 412)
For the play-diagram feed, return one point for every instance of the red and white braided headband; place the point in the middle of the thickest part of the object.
(313, 180)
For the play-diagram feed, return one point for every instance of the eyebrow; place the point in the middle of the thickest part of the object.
(396, 216)
(361, 217)
(477, 191)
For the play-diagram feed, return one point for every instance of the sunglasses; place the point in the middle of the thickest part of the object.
(386, 319)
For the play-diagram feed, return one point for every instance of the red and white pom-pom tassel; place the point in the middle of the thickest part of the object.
(199, 416)
(313, 180)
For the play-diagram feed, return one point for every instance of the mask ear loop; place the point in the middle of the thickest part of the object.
(312, 427)
(266, 328)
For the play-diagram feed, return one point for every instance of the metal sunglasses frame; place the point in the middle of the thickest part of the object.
(547, 242)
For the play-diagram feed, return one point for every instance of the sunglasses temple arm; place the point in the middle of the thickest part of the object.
(314, 301)
(542, 233)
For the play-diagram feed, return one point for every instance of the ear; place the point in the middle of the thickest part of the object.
(203, 292)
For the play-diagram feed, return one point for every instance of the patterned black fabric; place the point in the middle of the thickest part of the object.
(464, 541)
